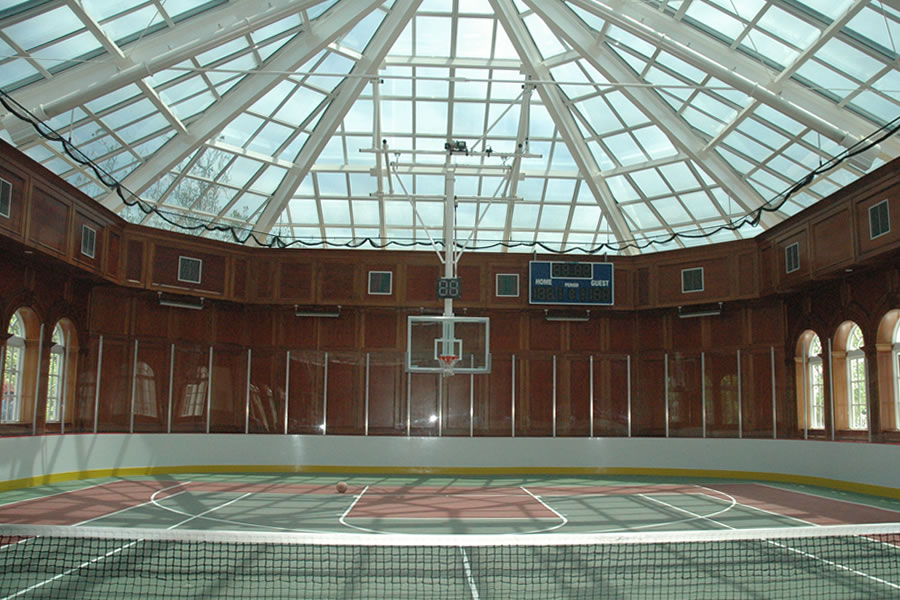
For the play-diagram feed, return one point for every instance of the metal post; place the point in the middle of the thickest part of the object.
(471, 401)
(171, 384)
(703, 390)
(774, 405)
(591, 392)
(408, 404)
(440, 404)
(287, 389)
(37, 384)
(134, 363)
(628, 376)
(666, 378)
(97, 388)
(804, 375)
(63, 386)
(831, 388)
(513, 411)
(554, 395)
(209, 384)
(366, 425)
(325, 397)
(247, 395)
(740, 397)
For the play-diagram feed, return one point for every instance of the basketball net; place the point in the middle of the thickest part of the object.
(447, 362)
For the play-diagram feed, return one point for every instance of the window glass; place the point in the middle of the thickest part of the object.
(10, 407)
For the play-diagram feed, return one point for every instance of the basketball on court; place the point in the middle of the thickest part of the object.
(341, 487)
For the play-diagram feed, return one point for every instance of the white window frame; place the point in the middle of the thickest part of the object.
(6, 214)
(390, 291)
(11, 403)
(181, 260)
(816, 387)
(895, 360)
(702, 280)
(872, 234)
(54, 375)
(497, 285)
(795, 248)
(91, 250)
(856, 356)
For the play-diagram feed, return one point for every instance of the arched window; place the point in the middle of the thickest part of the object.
(856, 380)
(816, 385)
(895, 361)
(13, 370)
(145, 391)
(55, 381)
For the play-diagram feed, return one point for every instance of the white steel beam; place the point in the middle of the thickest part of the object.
(347, 93)
(290, 57)
(739, 71)
(567, 26)
(157, 52)
(554, 102)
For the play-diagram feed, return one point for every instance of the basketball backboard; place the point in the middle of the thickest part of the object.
(466, 339)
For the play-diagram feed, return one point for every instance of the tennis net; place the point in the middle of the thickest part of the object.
(803, 562)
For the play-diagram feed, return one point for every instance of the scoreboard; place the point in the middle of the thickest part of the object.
(570, 283)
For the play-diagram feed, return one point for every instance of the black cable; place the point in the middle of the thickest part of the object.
(243, 236)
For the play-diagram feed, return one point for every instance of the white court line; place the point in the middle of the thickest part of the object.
(563, 519)
(790, 549)
(342, 519)
(751, 507)
(469, 578)
(114, 552)
(89, 487)
(863, 504)
(127, 508)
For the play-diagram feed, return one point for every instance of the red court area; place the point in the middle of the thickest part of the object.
(436, 501)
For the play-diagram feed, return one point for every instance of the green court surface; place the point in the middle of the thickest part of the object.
(295, 536)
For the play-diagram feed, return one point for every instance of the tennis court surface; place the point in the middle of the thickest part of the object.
(296, 536)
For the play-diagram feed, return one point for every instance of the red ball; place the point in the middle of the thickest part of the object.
(341, 487)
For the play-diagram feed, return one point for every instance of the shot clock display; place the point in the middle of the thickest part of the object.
(571, 283)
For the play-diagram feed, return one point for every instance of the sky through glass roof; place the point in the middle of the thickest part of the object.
(621, 126)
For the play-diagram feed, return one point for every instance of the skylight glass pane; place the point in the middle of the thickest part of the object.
(715, 19)
(679, 176)
(554, 216)
(650, 182)
(473, 36)
(640, 215)
(432, 83)
(746, 9)
(332, 184)
(876, 105)
(825, 80)
(623, 149)
(789, 28)
(621, 188)
(559, 190)
(546, 41)
(599, 115)
(336, 212)
(872, 25)
(699, 205)
(358, 37)
(671, 211)
(431, 117)
(654, 142)
(134, 22)
(848, 59)
(43, 27)
(433, 36)
(525, 215)
(468, 118)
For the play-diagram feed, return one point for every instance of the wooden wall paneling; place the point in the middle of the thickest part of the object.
(725, 330)
(543, 334)
(306, 397)
(151, 401)
(716, 281)
(387, 394)
(381, 330)
(20, 202)
(296, 332)
(455, 409)
(82, 220)
(191, 325)
(685, 394)
(346, 393)
(766, 268)
(866, 245)
(49, 222)
(338, 282)
(262, 278)
(368, 299)
(534, 400)
(239, 280)
(229, 323)
(229, 385)
(341, 333)
(766, 324)
(493, 269)
(421, 283)
(493, 400)
(687, 334)
(590, 336)
(260, 323)
(642, 284)
(190, 384)
(648, 406)
(151, 321)
(423, 403)
(110, 311)
(295, 282)
(267, 393)
(832, 241)
(611, 395)
(115, 385)
(573, 396)
(506, 332)
(748, 275)
(722, 394)
(134, 261)
(474, 289)
(113, 255)
(164, 270)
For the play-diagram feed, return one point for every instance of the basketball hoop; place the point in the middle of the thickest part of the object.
(447, 362)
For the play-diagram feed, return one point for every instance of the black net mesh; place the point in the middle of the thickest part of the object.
(49, 562)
